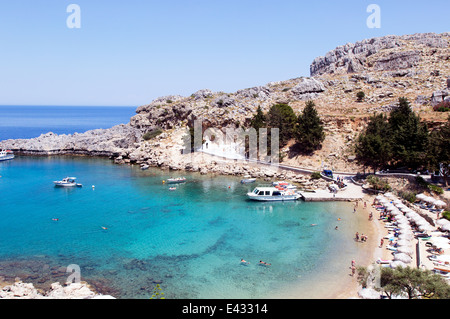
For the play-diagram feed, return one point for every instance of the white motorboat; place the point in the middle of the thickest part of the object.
(176, 180)
(248, 179)
(272, 194)
(6, 155)
(67, 182)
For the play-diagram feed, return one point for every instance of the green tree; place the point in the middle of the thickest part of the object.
(309, 132)
(409, 136)
(259, 120)
(374, 145)
(413, 282)
(360, 95)
(439, 150)
(282, 116)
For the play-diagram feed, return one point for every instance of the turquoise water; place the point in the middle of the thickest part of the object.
(190, 240)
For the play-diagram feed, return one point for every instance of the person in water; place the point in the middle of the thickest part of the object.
(264, 263)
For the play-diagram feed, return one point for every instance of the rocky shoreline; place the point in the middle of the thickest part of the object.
(21, 290)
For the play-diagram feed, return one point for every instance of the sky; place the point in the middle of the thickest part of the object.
(127, 53)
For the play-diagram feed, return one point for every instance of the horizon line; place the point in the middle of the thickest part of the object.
(67, 105)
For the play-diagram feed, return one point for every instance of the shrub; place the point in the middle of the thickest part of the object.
(436, 189)
(360, 95)
(424, 184)
(409, 196)
(378, 183)
(152, 134)
(444, 106)
(446, 215)
(316, 175)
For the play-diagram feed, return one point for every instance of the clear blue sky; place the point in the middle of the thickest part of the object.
(130, 52)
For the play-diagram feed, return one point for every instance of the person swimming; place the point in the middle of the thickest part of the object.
(263, 263)
(244, 262)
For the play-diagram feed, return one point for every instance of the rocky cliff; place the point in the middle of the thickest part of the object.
(386, 68)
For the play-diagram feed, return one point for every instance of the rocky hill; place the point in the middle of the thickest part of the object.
(386, 68)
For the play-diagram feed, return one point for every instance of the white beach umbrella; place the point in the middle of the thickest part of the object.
(379, 197)
(398, 263)
(397, 202)
(389, 195)
(442, 222)
(403, 242)
(429, 200)
(403, 226)
(390, 207)
(411, 214)
(405, 236)
(446, 227)
(440, 242)
(426, 227)
(440, 203)
(406, 230)
(405, 250)
(396, 212)
(403, 258)
(421, 196)
(420, 221)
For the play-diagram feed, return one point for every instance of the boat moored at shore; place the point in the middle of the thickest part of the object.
(272, 194)
(248, 180)
(6, 155)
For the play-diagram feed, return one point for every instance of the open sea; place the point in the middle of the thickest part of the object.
(129, 232)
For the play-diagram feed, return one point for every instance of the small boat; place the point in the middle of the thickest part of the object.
(6, 155)
(267, 194)
(284, 185)
(176, 180)
(248, 179)
(67, 182)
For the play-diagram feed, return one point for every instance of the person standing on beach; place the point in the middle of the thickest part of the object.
(353, 270)
(357, 236)
(381, 242)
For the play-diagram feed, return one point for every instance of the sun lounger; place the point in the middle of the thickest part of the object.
(381, 261)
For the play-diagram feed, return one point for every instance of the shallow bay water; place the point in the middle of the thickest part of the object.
(130, 232)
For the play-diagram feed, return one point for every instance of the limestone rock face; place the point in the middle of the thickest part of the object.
(398, 60)
(101, 142)
(357, 57)
(20, 290)
(307, 89)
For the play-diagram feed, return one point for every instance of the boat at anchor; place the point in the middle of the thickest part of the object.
(269, 194)
(67, 182)
(6, 155)
(176, 180)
